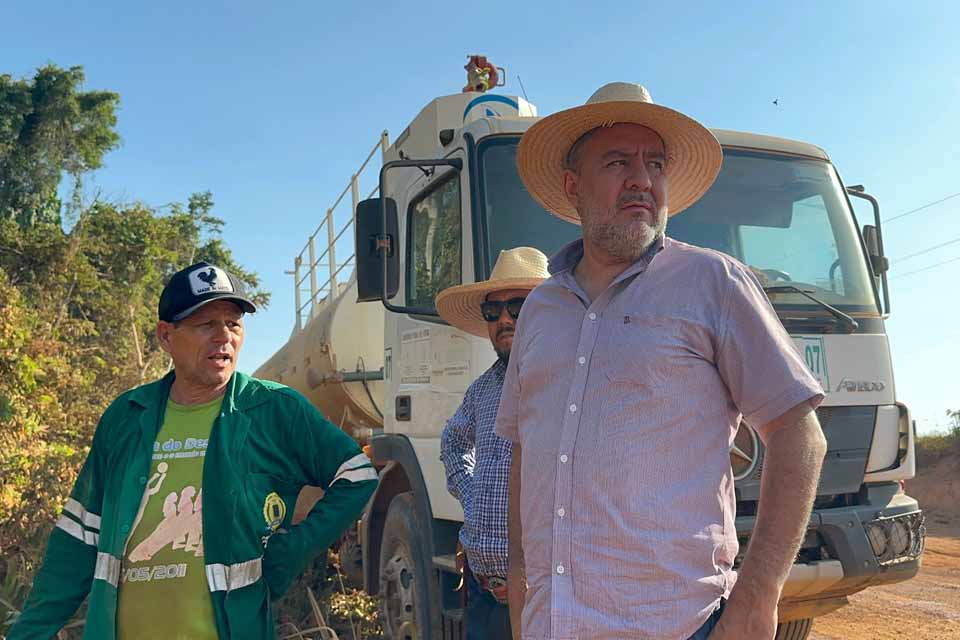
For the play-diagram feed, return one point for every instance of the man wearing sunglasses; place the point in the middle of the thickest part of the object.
(477, 461)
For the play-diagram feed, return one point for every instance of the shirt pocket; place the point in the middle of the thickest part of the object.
(268, 504)
(636, 363)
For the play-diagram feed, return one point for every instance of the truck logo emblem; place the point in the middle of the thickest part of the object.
(861, 386)
(744, 452)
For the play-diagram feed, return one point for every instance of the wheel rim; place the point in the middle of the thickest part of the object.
(398, 596)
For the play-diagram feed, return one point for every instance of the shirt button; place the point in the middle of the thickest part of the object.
(560, 569)
(561, 512)
(125, 528)
(582, 360)
(143, 479)
(592, 316)
(563, 458)
(573, 408)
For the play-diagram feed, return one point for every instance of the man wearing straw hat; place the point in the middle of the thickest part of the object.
(477, 461)
(631, 369)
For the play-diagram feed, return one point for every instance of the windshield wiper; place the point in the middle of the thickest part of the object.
(851, 324)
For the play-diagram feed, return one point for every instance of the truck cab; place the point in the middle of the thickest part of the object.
(450, 199)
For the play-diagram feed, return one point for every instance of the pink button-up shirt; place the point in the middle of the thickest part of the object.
(625, 408)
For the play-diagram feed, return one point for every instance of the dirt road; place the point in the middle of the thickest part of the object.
(925, 608)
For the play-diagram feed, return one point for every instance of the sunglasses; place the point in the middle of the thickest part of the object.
(491, 309)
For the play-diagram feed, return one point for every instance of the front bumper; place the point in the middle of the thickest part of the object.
(880, 542)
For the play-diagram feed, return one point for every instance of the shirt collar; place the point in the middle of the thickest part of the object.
(570, 254)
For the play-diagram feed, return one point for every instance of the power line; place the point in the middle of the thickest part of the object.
(927, 250)
(921, 208)
(933, 266)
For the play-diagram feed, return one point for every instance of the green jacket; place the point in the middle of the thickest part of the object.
(267, 439)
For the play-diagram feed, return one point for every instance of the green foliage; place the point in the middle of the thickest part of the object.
(355, 609)
(78, 308)
(345, 610)
(49, 127)
(954, 417)
(933, 447)
(76, 329)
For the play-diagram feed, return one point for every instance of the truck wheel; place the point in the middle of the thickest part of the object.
(404, 590)
(794, 630)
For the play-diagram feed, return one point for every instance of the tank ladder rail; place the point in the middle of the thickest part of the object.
(307, 263)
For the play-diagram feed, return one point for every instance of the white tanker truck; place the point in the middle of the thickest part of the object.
(370, 351)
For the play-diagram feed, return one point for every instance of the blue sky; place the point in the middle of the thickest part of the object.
(271, 106)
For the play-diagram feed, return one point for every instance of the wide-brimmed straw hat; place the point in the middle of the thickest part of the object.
(520, 268)
(694, 155)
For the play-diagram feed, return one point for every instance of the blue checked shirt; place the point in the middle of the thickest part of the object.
(477, 462)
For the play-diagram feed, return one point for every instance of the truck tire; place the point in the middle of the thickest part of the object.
(794, 630)
(405, 607)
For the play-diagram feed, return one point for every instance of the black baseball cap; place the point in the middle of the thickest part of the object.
(195, 286)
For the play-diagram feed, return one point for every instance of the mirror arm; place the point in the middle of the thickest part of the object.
(858, 191)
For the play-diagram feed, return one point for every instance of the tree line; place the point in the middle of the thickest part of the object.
(79, 285)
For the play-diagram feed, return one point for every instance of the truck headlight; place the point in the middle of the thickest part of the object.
(878, 540)
(898, 538)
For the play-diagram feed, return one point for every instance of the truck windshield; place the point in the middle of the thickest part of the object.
(785, 217)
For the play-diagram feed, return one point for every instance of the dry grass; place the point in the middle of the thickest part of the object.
(320, 602)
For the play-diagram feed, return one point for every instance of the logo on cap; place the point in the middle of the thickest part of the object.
(209, 279)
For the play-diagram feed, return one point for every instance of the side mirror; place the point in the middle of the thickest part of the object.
(873, 243)
(388, 249)
(370, 237)
(878, 262)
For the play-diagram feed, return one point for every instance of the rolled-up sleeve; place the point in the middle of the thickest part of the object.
(757, 359)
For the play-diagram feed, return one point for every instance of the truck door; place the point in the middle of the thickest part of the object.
(430, 362)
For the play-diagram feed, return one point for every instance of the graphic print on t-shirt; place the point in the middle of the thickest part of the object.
(181, 527)
(163, 560)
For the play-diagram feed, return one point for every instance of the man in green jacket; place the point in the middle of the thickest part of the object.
(179, 525)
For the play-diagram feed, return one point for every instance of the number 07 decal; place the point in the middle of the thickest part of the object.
(814, 354)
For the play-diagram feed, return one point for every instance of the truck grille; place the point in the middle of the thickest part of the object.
(849, 433)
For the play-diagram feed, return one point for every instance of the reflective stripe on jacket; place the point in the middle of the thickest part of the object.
(268, 439)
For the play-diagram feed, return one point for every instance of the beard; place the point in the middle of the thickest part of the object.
(624, 241)
(502, 346)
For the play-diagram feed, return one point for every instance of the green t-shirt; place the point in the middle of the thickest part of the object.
(163, 590)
